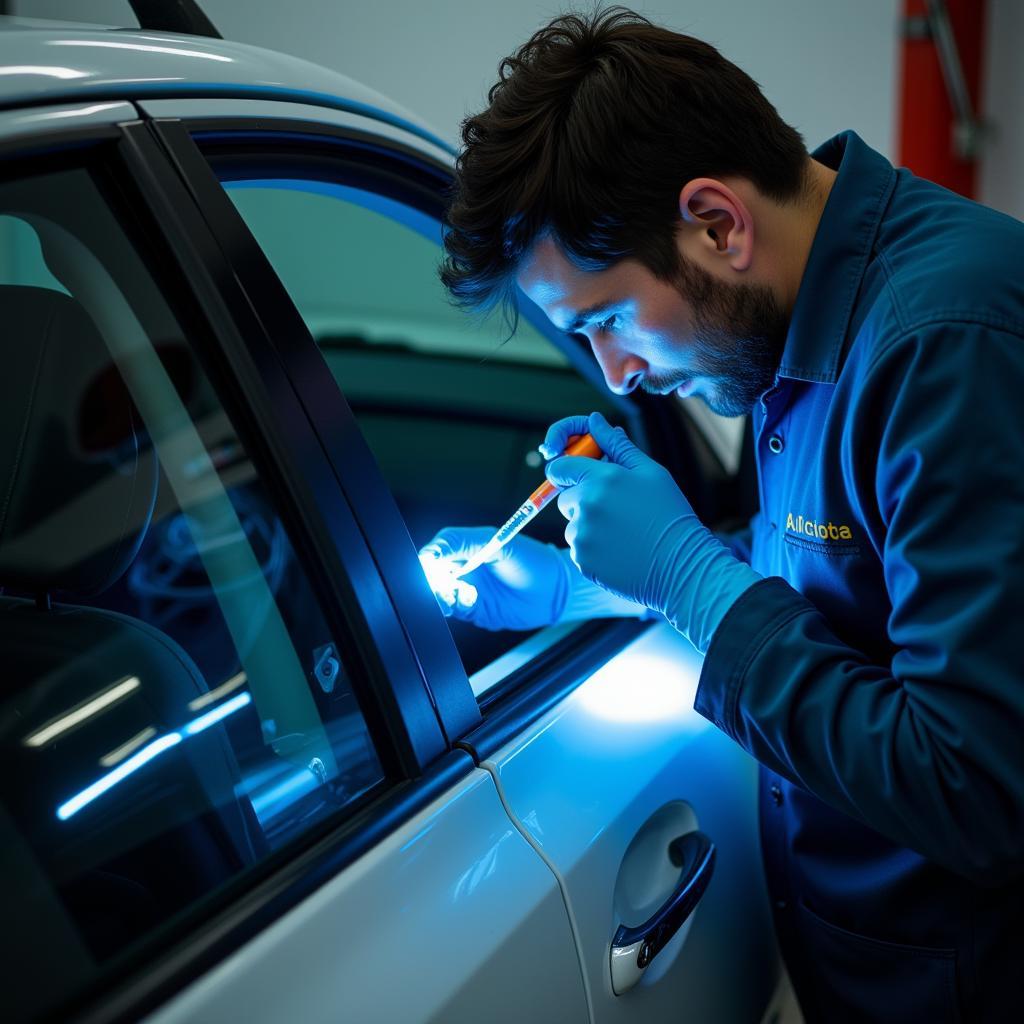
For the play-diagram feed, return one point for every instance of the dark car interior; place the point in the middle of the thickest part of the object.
(153, 614)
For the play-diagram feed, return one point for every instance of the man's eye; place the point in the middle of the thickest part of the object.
(609, 323)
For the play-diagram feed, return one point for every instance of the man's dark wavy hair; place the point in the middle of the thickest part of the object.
(592, 129)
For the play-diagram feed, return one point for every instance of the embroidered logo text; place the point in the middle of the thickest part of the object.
(818, 530)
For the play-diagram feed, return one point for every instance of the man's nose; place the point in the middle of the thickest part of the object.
(622, 371)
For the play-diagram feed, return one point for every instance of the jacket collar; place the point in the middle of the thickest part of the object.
(838, 258)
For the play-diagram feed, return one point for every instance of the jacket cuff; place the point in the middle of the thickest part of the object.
(756, 615)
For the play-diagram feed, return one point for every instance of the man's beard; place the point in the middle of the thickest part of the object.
(738, 338)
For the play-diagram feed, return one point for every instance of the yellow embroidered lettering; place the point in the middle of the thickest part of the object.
(819, 531)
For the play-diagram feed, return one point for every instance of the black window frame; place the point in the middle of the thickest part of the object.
(338, 433)
(261, 399)
(151, 202)
(239, 147)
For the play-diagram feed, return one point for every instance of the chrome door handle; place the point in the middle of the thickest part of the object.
(633, 949)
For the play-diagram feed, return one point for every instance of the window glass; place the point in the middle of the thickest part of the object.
(452, 411)
(174, 709)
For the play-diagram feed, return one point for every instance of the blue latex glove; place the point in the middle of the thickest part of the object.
(633, 532)
(525, 586)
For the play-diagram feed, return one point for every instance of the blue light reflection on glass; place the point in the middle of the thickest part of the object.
(221, 711)
(412, 218)
(119, 774)
(269, 803)
(106, 782)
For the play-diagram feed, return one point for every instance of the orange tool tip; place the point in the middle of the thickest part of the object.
(579, 444)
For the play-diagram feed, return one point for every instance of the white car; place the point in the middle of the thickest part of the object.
(251, 772)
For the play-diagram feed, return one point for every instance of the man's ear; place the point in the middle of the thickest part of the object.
(723, 223)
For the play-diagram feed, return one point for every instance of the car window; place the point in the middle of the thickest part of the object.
(452, 408)
(176, 713)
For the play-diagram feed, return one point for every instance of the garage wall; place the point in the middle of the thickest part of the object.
(439, 59)
(826, 64)
(1002, 167)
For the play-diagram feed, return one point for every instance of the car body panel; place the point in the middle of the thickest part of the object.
(48, 66)
(18, 124)
(452, 918)
(636, 766)
(272, 113)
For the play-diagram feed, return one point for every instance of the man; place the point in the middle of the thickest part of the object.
(862, 638)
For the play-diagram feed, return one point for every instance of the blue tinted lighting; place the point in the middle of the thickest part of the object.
(121, 772)
(272, 801)
(148, 752)
(219, 712)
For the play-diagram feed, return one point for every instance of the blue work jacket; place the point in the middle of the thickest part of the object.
(877, 673)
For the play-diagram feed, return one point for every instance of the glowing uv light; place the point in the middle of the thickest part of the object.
(442, 572)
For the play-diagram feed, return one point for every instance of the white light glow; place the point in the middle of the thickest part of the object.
(640, 688)
(47, 71)
(142, 48)
(95, 108)
(441, 571)
(221, 691)
(143, 78)
(82, 712)
(121, 752)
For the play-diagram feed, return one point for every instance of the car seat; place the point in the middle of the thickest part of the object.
(78, 481)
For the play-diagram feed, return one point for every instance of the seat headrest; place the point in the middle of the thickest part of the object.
(77, 473)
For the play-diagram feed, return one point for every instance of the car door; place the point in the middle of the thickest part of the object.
(227, 792)
(630, 800)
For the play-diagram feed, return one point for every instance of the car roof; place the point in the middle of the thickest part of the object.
(45, 62)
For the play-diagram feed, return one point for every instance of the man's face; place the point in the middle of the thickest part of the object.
(695, 335)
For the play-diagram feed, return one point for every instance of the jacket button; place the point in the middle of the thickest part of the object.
(775, 444)
(776, 793)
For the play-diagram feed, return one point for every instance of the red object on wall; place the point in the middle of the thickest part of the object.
(926, 115)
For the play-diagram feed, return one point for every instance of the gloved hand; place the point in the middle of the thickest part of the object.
(633, 532)
(526, 585)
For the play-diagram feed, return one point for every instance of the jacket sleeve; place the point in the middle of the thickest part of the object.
(929, 748)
